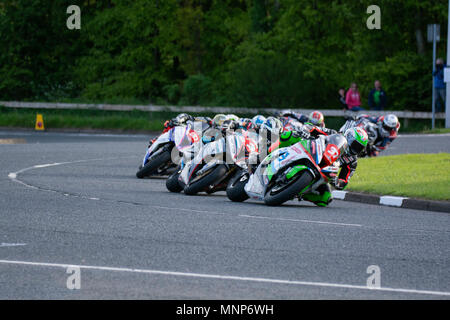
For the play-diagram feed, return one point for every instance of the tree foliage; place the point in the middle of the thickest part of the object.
(258, 53)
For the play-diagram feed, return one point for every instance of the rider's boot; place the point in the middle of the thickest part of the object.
(321, 197)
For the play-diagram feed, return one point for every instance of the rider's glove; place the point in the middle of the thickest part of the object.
(168, 124)
(329, 131)
(341, 184)
(301, 134)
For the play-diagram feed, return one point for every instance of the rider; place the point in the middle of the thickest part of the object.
(180, 119)
(316, 117)
(382, 134)
(356, 143)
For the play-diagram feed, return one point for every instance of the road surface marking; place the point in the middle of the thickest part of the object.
(227, 277)
(301, 220)
(4, 244)
(12, 141)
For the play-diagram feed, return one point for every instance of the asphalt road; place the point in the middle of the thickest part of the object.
(69, 199)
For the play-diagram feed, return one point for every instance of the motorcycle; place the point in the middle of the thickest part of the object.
(187, 155)
(160, 158)
(292, 171)
(216, 163)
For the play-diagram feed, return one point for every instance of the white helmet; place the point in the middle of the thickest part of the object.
(232, 117)
(219, 119)
(388, 125)
(272, 124)
(258, 120)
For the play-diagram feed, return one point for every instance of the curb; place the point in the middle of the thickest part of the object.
(391, 201)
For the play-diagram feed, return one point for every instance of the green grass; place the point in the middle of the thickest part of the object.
(425, 176)
(140, 120)
(85, 119)
(438, 130)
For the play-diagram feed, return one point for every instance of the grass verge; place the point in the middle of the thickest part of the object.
(140, 120)
(439, 130)
(85, 119)
(423, 176)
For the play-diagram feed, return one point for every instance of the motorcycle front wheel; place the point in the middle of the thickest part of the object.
(204, 182)
(279, 193)
(153, 164)
(235, 188)
(172, 182)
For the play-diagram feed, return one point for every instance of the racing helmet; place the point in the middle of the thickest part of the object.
(232, 117)
(182, 118)
(229, 124)
(388, 125)
(357, 140)
(317, 118)
(219, 119)
(282, 113)
(272, 124)
(258, 120)
(245, 123)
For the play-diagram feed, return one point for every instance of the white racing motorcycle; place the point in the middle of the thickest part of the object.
(216, 163)
(161, 158)
(292, 171)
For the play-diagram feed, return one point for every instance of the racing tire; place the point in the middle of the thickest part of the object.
(203, 183)
(153, 164)
(288, 193)
(172, 183)
(235, 188)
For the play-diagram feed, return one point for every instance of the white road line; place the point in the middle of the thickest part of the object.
(226, 277)
(186, 209)
(14, 177)
(3, 244)
(301, 220)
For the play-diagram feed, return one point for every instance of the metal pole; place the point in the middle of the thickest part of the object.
(433, 99)
(447, 96)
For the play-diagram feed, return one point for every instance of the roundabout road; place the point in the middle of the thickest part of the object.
(73, 200)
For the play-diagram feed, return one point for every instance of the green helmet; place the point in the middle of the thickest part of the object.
(357, 140)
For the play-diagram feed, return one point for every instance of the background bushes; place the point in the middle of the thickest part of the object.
(255, 53)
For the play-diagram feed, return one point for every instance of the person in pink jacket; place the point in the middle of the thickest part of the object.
(353, 99)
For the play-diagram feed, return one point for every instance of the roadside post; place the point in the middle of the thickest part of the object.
(447, 75)
(433, 35)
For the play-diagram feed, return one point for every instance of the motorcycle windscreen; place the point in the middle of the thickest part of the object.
(183, 136)
(236, 148)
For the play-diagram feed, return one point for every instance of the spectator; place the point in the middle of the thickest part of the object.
(377, 97)
(342, 99)
(439, 85)
(353, 99)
